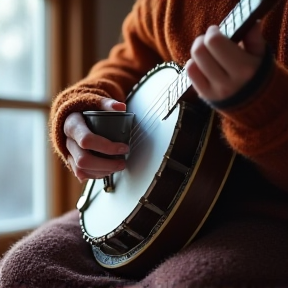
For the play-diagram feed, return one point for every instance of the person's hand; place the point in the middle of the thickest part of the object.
(219, 68)
(80, 140)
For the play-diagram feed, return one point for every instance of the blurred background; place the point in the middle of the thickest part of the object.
(45, 46)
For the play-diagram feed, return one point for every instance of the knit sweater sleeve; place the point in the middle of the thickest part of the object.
(258, 128)
(113, 77)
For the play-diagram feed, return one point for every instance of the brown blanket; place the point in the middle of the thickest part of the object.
(250, 252)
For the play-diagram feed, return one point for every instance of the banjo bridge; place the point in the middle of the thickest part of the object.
(109, 183)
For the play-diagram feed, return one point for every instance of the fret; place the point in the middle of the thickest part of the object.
(245, 9)
(169, 103)
(180, 85)
(177, 89)
(187, 80)
(238, 16)
(241, 13)
(233, 15)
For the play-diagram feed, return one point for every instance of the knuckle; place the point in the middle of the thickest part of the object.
(68, 129)
(69, 125)
(84, 140)
(80, 161)
(198, 46)
(211, 39)
(69, 144)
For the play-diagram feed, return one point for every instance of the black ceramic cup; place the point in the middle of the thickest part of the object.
(113, 125)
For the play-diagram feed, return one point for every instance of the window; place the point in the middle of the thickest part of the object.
(45, 46)
(23, 115)
(35, 64)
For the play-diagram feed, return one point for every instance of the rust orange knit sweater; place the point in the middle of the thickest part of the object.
(163, 30)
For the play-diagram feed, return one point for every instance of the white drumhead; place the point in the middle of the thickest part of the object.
(108, 210)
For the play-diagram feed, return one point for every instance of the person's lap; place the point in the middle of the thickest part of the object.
(247, 252)
(54, 255)
(235, 252)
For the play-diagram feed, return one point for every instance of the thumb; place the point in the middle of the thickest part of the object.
(253, 42)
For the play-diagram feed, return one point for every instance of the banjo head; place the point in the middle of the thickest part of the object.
(165, 182)
(150, 140)
(107, 210)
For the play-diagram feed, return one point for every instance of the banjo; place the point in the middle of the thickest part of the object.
(173, 177)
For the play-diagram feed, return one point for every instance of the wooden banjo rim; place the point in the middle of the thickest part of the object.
(150, 241)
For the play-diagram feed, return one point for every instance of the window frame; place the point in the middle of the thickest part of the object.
(69, 23)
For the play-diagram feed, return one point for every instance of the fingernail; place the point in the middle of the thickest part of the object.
(119, 106)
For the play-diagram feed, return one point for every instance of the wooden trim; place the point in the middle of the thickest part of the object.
(72, 54)
(89, 35)
(19, 104)
(75, 41)
(72, 32)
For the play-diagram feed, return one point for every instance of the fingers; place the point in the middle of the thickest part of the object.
(205, 62)
(87, 166)
(97, 173)
(80, 140)
(75, 128)
(228, 55)
(85, 174)
(218, 68)
(200, 82)
(84, 160)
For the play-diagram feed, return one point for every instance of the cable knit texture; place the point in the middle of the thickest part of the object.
(244, 241)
